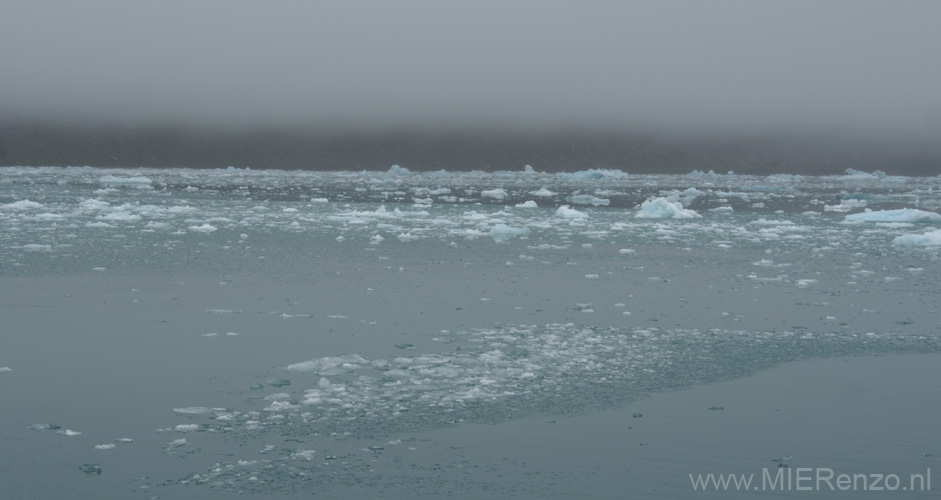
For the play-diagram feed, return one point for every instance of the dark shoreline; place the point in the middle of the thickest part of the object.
(462, 150)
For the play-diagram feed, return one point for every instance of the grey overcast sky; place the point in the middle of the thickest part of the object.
(690, 66)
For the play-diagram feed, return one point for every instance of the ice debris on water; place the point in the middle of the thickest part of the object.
(899, 215)
(90, 469)
(5, 369)
(662, 208)
(68, 432)
(930, 238)
(43, 427)
(566, 212)
(107, 446)
(501, 232)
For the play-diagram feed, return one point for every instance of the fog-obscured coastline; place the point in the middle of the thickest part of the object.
(462, 149)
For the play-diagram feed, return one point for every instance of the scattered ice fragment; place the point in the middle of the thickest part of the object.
(587, 199)
(626, 251)
(497, 194)
(899, 215)
(591, 276)
(205, 228)
(5, 369)
(661, 208)
(279, 382)
(527, 204)
(108, 446)
(329, 365)
(43, 427)
(124, 440)
(69, 432)
(22, 205)
(931, 238)
(172, 446)
(567, 212)
(186, 428)
(195, 410)
(111, 179)
(543, 192)
(600, 173)
(307, 455)
(501, 232)
(90, 468)
(397, 170)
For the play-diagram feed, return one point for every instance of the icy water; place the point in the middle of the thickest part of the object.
(197, 334)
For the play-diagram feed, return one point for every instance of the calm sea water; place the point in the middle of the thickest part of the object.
(188, 333)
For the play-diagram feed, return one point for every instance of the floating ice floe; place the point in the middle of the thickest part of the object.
(108, 446)
(205, 228)
(899, 215)
(566, 212)
(587, 199)
(23, 205)
(931, 238)
(600, 173)
(661, 208)
(543, 192)
(5, 369)
(329, 365)
(111, 179)
(397, 170)
(502, 232)
(498, 194)
(527, 204)
(845, 205)
(852, 173)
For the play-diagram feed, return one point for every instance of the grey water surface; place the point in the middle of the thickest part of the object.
(197, 334)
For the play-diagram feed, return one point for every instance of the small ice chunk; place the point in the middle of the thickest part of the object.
(587, 199)
(543, 192)
(5, 369)
(566, 212)
(502, 232)
(497, 194)
(108, 446)
(69, 432)
(307, 455)
(661, 208)
(205, 228)
(23, 205)
(527, 204)
(186, 428)
(194, 410)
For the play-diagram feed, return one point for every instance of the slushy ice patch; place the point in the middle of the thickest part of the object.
(492, 375)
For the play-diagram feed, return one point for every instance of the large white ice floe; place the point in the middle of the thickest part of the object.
(931, 238)
(899, 215)
(662, 208)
